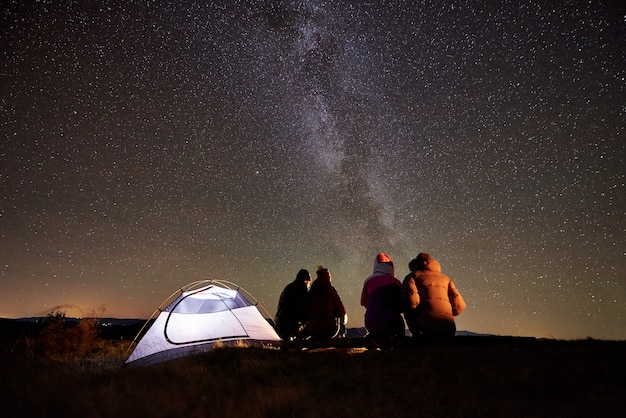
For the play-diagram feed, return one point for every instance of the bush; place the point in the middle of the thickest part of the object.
(61, 339)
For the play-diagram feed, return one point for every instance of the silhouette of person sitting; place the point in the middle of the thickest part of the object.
(327, 314)
(293, 307)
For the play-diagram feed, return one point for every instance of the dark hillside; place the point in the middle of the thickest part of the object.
(474, 376)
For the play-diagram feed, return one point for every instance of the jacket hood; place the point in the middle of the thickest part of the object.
(424, 261)
(383, 265)
(433, 265)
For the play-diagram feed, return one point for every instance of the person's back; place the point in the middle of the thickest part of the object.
(382, 299)
(326, 308)
(293, 306)
(435, 299)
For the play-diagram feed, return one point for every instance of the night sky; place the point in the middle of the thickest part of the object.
(146, 145)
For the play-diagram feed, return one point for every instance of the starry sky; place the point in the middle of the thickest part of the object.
(149, 144)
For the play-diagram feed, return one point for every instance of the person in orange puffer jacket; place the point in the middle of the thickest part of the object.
(431, 300)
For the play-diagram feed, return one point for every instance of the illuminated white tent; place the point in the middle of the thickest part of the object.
(197, 316)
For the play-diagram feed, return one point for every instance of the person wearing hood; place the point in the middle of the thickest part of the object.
(327, 316)
(382, 298)
(293, 306)
(431, 299)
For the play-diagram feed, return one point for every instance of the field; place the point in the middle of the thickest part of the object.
(471, 377)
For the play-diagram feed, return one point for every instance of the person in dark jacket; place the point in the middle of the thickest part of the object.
(293, 307)
(327, 315)
(382, 298)
(431, 299)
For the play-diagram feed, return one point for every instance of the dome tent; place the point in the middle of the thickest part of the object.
(197, 316)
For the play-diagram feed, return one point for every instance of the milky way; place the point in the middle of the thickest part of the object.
(146, 145)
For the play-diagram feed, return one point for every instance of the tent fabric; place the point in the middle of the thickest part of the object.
(197, 317)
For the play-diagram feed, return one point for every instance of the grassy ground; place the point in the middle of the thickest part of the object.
(496, 379)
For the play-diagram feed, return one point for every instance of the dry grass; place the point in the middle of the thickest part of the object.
(542, 378)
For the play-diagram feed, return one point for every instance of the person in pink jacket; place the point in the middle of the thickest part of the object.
(431, 299)
(382, 298)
